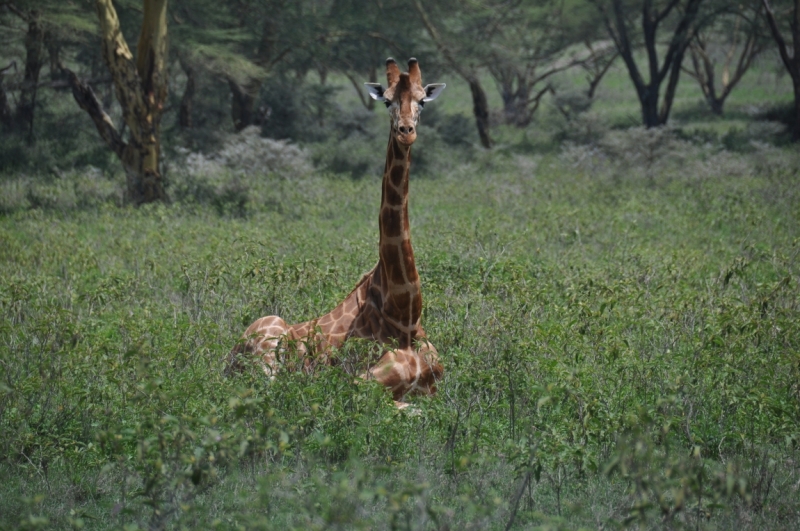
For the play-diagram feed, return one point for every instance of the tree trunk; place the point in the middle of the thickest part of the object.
(648, 91)
(141, 88)
(34, 48)
(790, 54)
(672, 86)
(480, 108)
(717, 106)
(648, 99)
(185, 110)
(5, 108)
(796, 126)
(243, 102)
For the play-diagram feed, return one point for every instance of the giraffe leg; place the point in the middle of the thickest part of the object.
(409, 371)
(261, 339)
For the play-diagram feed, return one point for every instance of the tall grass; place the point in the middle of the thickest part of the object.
(617, 321)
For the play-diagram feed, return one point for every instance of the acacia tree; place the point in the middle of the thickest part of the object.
(469, 72)
(635, 23)
(272, 31)
(787, 20)
(362, 40)
(36, 32)
(736, 38)
(523, 44)
(141, 89)
(205, 37)
(34, 60)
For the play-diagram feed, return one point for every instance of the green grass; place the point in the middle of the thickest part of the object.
(620, 345)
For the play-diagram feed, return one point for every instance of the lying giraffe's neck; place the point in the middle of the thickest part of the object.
(402, 300)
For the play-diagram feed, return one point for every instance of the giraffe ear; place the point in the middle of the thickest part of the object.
(432, 91)
(375, 91)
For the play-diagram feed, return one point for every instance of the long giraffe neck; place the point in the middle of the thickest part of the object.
(402, 301)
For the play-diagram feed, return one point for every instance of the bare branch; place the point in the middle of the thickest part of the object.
(87, 100)
(10, 65)
(358, 88)
(782, 47)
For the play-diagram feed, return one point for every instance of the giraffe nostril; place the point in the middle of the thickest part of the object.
(403, 130)
(410, 130)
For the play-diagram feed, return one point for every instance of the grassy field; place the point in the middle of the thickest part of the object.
(618, 322)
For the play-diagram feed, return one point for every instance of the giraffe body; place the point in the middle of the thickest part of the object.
(386, 304)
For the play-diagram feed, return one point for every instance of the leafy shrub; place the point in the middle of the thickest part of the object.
(740, 140)
(586, 324)
(70, 190)
(583, 128)
(229, 179)
(356, 155)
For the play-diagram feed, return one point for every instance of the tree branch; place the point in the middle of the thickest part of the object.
(446, 52)
(776, 35)
(12, 64)
(87, 100)
(624, 47)
(120, 62)
(358, 88)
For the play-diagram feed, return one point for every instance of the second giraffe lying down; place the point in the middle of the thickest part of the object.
(386, 304)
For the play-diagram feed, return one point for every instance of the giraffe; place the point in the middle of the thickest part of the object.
(386, 304)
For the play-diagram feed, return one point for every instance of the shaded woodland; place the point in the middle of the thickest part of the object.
(182, 73)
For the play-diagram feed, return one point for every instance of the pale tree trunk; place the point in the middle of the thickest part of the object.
(243, 102)
(141, 88)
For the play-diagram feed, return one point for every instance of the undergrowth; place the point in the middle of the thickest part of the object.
(618, 328)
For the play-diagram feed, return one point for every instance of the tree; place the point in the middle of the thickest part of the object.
(737, 35)
(35, 31)
(780, 23)
(480, 106)
(362, 40)
(30, 14)
(523, 45)
(206, 38)
(5, 107)
(272, 30)
(141, 89)
(679, 18)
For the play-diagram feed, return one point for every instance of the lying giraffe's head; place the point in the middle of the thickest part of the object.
(404, 98)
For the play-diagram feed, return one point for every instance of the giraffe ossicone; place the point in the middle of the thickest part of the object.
(386, 304)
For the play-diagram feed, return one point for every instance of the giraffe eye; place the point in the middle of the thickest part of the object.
(421, 103)
(388, 103)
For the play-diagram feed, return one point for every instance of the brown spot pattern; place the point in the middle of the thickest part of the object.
(391, 223)
(390, 258)
(408, 258)
(397, 175)
(396, 307)
(397, 150)
(392, 196)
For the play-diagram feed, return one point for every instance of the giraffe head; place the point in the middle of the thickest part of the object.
(404, 98)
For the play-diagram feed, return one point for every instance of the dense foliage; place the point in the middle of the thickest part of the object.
(617, 345)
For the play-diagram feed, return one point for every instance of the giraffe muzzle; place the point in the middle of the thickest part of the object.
(406, 135)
